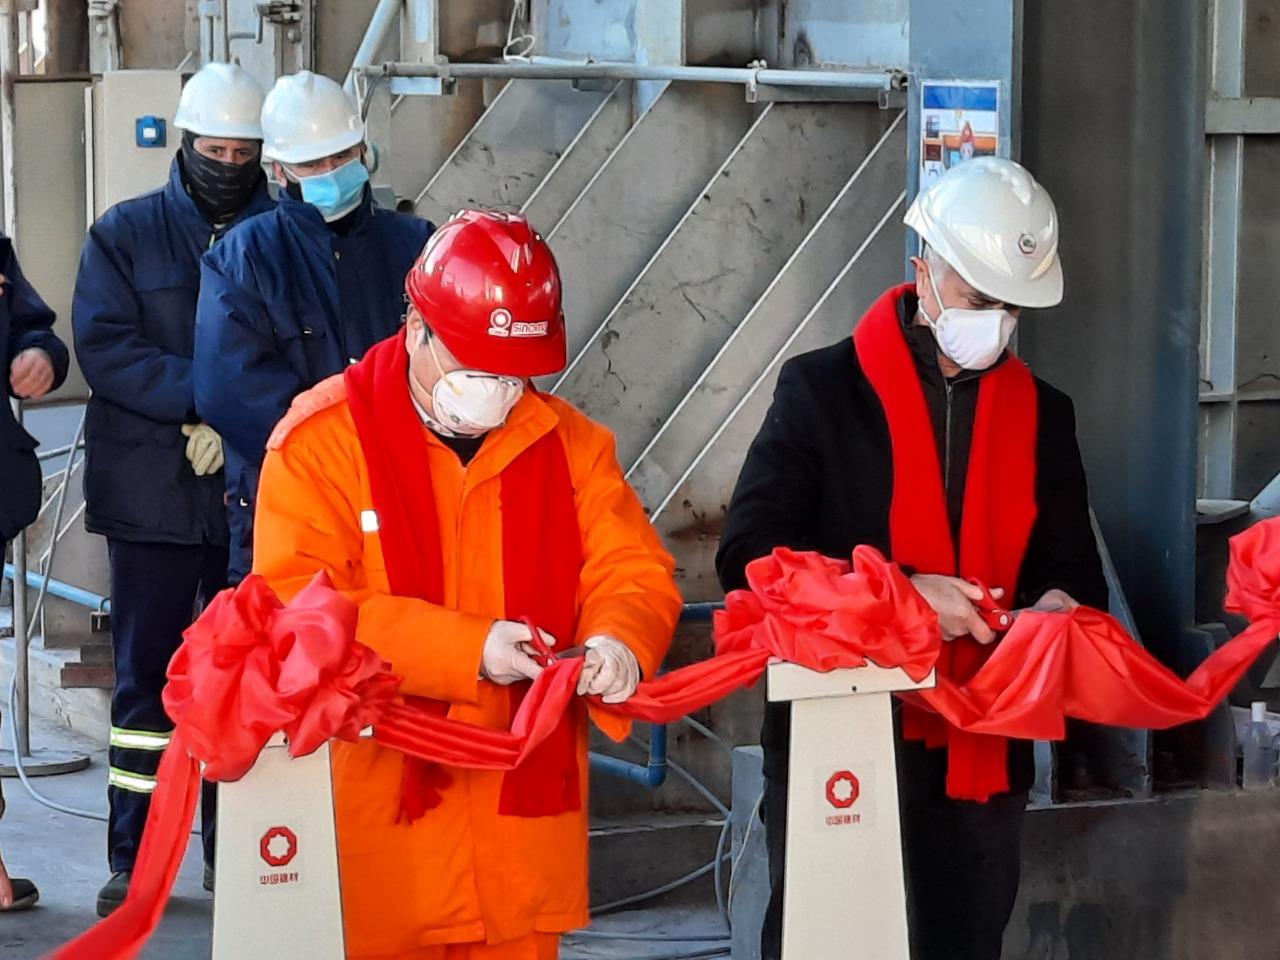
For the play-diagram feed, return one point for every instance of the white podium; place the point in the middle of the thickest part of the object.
(844, 893)
(277, 894)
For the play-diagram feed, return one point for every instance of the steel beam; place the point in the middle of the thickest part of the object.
(733, 240)
(511, 149)
(599, 30)
(1217, 453)
(424, 133)
(792, 292)
(830, 33)
(9, 70)
(597, 139)
(420, 31)
(659, 31)
(634, 200)
(1124, 342)
(691, 517)
(1242, 115)
(385, 17)
(659, 39)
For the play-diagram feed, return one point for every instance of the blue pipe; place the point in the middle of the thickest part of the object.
(63, 591)
(654, 773)
(699, 612)
(650, 775)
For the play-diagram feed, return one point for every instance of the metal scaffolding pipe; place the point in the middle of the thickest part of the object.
(384, 16)
(21, 652)
(9, 70)
(55, 452)
(57, 588)
(46, 561)
(873, 82)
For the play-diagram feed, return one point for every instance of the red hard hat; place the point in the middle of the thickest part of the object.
(487, 285)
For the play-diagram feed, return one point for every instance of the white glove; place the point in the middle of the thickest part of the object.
(204, 448)
(506, 656)
(610, 670)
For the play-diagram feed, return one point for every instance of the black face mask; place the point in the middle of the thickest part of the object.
(220, 190)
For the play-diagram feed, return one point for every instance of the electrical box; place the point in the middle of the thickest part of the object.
(149, 132)
(128, 114)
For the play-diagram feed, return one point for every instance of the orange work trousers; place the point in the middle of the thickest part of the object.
(537, 946)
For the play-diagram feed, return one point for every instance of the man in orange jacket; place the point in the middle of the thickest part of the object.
(462, 509)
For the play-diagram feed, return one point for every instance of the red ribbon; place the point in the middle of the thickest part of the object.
(999, 512)
(251, 666)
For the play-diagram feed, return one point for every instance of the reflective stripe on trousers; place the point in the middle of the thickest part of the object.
(133, 782)
(139, 739)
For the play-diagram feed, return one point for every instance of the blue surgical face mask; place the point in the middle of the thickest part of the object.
(338, 192)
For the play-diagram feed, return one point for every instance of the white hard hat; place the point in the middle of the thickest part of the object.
(307, 117)
(991, 221)
(221, 100)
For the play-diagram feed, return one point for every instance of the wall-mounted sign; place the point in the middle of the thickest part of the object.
(959, 120)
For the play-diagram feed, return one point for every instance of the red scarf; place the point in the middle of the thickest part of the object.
(541, 561)
(999, 512)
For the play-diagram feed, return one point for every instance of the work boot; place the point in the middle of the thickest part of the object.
(113, 894)
(25, 896)
(208, 877)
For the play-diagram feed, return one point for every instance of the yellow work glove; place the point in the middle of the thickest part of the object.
(204, 448)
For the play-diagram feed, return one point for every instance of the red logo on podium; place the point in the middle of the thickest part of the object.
(843, 789)
(278, 846)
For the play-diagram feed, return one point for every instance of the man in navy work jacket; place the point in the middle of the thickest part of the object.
(153, 482)
(295, 296)
(37, 363)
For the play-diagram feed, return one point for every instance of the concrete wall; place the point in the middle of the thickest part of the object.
(339, 26)
(50, 174)
(156, 34)
(1184, 878)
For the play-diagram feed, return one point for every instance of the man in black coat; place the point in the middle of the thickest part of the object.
(37, 363)
(924, 437)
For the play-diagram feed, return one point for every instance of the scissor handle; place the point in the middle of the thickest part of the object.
(541, 648)
(993, 614)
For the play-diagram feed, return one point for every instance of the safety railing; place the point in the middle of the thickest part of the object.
(852, 84)
(872, 81)
(42, 581)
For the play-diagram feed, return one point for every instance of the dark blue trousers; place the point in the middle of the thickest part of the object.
(156, 590)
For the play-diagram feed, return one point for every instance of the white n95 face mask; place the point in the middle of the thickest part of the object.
(973, 339)
(471, 402)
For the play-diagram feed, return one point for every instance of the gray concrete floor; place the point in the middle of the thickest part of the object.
(66, 857)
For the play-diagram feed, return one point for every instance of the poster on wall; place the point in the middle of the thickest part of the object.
(959, 120)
